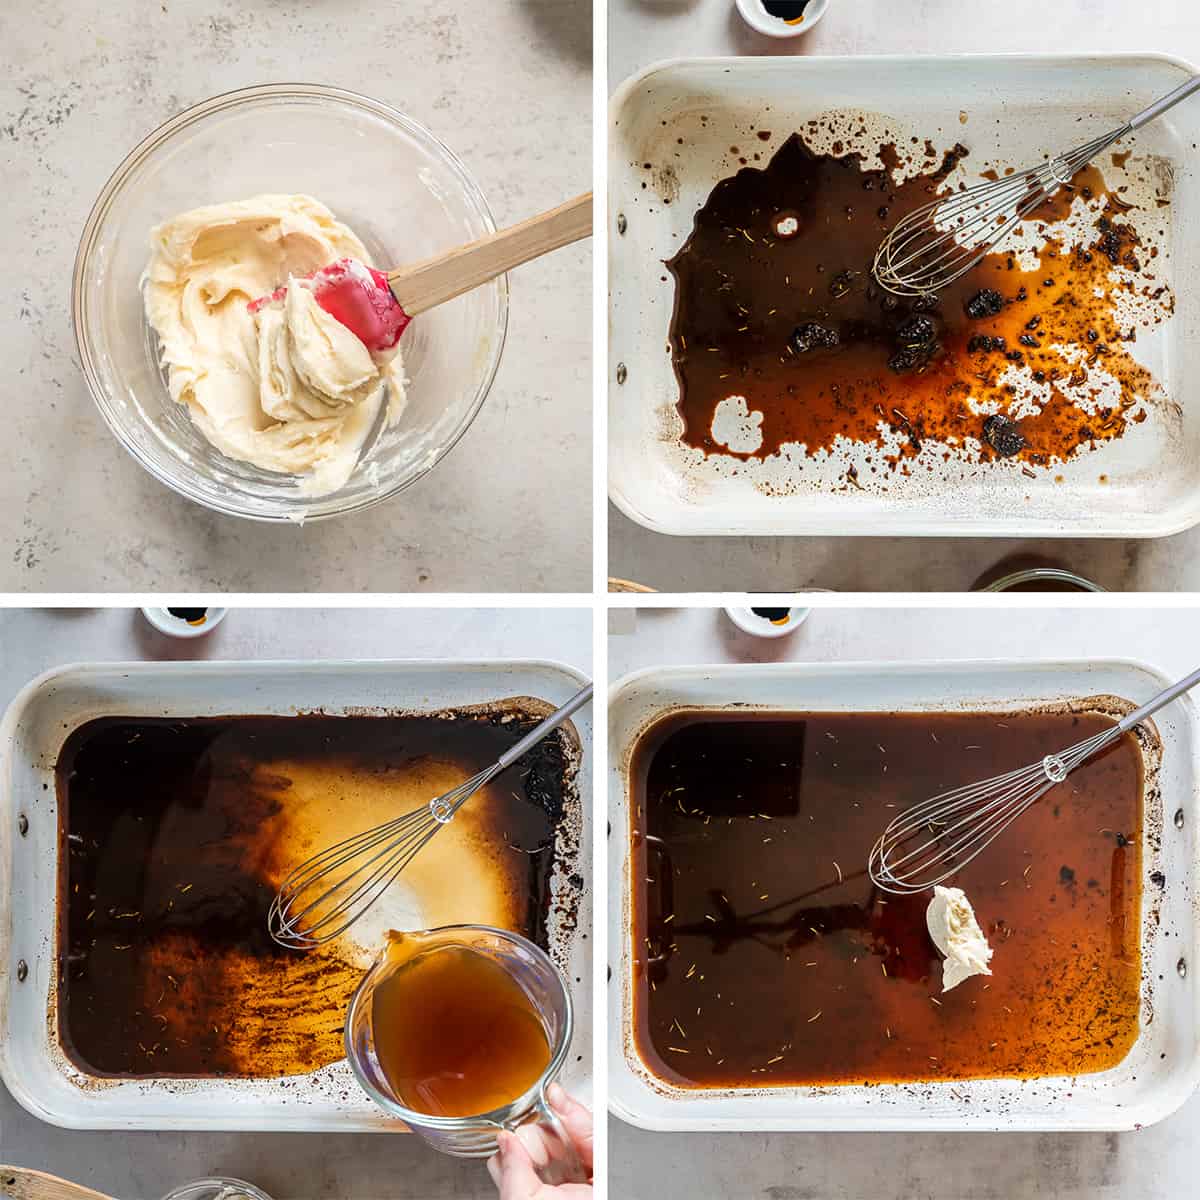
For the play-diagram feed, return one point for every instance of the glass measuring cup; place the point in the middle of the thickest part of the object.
(475, 1136)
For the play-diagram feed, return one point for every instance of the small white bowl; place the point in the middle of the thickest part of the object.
(761, 21)
(749, 622)
(172, 626)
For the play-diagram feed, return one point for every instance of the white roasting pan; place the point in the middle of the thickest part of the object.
(32, 1062)
(1159, 1073)
(1010, 110)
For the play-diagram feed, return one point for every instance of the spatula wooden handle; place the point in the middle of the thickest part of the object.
(422, 286)
(20, 1183)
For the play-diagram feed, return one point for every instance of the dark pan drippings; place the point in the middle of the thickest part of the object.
(794, 323)
(178, 832)
(765, 957)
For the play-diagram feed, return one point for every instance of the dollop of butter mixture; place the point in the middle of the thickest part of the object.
(956, 933)
(287, 388)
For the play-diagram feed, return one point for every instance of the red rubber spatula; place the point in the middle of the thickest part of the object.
(377, 306)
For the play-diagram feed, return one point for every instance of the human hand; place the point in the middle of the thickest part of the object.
(523, 1155)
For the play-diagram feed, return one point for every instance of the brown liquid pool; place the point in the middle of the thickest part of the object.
(775, 303)
(177, 833)
(765, 957)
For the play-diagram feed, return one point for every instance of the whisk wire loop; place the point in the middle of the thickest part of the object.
(306, 915)
(947, 237)
(927, 843)
(322, 897)
(932, 246)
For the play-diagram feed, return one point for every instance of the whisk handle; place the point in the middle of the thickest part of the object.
(1163, 698)
(1182, 92)
(546, 727)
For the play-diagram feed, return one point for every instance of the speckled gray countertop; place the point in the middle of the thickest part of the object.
(645, 31)
(506, 83)
(145, 1166)
(1160, 1162)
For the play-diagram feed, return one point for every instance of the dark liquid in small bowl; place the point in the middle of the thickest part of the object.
(786, 10)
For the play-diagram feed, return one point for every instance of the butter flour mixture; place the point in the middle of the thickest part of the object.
(287, 388)
(956, 933)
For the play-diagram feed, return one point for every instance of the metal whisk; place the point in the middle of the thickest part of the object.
(929, 842)
(941, 241)
(325, 895)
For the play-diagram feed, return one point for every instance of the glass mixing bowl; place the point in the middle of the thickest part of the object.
(406, 196)
(217, 1188)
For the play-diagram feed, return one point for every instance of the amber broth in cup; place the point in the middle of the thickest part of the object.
(455, 1034)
